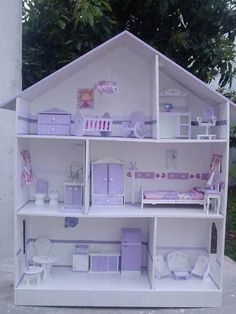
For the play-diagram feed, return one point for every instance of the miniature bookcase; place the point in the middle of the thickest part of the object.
(118, 200)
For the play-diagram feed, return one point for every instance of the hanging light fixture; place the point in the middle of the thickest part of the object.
(107, 86)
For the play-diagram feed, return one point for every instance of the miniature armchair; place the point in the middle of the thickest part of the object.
(44, 257)
(202, 267)
(179, 265)
(161, 267)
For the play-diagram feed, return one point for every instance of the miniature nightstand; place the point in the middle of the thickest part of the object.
(212, 198)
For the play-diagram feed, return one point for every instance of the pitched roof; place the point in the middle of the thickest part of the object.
(172, 69)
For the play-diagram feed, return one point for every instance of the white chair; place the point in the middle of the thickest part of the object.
(44, 258)
(161, 267)
(202, 267)
(179, 264)
(33, 272)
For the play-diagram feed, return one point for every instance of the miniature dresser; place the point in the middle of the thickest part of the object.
(54, 122)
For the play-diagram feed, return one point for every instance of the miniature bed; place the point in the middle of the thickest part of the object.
(194, 196)
(155, 197)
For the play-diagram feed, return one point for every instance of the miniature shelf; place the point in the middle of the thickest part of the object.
(30, 209)
(149, 211)
(121, 139)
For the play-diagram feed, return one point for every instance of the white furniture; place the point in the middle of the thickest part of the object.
(212, 201)
(142, 74)
(32, 272)
(80, 258)
(207, 125)
(162, 269)
(177, 201)
(43, 248)
(202, 267)
(175, 116)
(179, 264)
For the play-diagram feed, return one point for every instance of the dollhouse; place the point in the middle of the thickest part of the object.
(120, 177)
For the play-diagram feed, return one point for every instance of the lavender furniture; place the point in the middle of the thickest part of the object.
(54, 122)
(73, 192)
(108, 183)
(104, 261)
(131, 250)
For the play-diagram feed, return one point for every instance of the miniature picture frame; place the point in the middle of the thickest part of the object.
(85, 98)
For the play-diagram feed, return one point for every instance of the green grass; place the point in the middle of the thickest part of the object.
(230, 239)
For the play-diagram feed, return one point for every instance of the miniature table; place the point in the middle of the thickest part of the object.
(33, 271)
(46, 263)
(206, 136)
(212, 197)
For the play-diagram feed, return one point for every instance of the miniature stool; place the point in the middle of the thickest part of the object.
(33, 271)
(212, 198)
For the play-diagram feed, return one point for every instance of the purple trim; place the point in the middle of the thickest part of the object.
(205, 176)
(35, 120)
(218, 123)
(177, 176)
(181, 248)
(81, 241)
(31, 120)
(18, 252)
(144, 175)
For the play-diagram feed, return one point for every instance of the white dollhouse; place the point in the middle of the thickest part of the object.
(120, 175)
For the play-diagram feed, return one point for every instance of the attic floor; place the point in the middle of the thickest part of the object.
(7, 306)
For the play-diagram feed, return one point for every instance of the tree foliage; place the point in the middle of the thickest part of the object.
(197, 34)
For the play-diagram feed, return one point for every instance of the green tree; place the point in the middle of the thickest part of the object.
(197, 34)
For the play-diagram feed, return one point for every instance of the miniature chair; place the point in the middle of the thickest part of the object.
(32, 272)
(43, 247)
(202, 267)
(179, 265)
(161, 267)
(207, 120)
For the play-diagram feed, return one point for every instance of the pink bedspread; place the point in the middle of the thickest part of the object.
(173, 195)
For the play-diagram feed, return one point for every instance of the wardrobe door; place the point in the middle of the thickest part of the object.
(116, 178)
(100, 178)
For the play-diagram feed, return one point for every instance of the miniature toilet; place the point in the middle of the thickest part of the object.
(41, 191)
(53, 198)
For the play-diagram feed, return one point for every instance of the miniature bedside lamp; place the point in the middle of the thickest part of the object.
(133, 167)
(207, 120)
(44, 258)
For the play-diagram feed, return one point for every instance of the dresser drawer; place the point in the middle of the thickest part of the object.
(44, 118)
(108, 200)
(44, 129)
